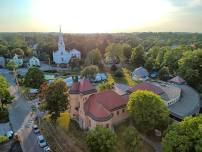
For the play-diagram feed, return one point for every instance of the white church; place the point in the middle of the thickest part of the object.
(63, 56)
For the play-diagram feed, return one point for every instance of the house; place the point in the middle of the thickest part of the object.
(177, 80)
(62, 56)
(140, 74)
(34, 61)
(100, 77)
(90, 108)
(18, 61)
(2, 61)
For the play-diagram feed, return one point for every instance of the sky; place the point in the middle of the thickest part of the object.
(101, 16)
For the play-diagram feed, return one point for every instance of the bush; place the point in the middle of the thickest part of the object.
(119, 73)
(4, 116)
(3, 139)
(113, 68)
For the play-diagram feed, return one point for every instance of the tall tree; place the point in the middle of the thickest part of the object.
(34, 78)
(90, 71)
(164, 73)
(148, 110)
(137, 56)
(114, 53)
(11, 65)
(94, 57)
(185, 136)
(190, 67)
(131, 139)
(56, 97)
(17, 51)
(101, 139)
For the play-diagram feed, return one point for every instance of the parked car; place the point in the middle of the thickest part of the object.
(35, 129)
(42, 141)
(47, 149)
(10, 134)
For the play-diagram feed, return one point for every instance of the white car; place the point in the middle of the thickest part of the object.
(47, 149)
(41, 141)
(35, 129)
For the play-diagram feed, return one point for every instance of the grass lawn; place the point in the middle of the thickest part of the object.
(144, 147)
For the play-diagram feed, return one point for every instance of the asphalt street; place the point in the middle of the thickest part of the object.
(20, 116)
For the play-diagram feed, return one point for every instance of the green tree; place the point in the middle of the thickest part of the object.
(171, 57)
(74, 62)
(5, 96)
(127, 51)
(164, 73)
(56, 97)
(190, 67)
(17, 51)
(185, 136)
(101, 139)
(11, 65)
(34, 78)
(137, 56)
(131, 139)
(114, 53)
(4, 50)
(90, 71)
(148, 110)
(94, 57)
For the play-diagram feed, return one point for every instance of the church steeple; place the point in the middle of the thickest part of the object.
(61, 44)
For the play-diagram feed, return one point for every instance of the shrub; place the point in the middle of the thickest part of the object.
(3, 139)
(4, 116)
(119, 73)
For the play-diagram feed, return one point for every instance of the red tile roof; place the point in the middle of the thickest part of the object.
(99, 106)
(84, 87)
(147, 86)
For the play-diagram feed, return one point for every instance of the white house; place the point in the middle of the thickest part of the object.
(18, 61)
(140, 74)
(62, 55)
(34, 61)
(2, 61)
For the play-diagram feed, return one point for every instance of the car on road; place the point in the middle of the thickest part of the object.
(47, 149)
(42, 142)
(35, 129)
(10, 134)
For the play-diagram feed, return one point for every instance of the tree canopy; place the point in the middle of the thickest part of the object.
(137, 56)
(148, 110)
(17, 51)
(185, 136)
(11, 65)
(34, 78)
(94, 57)
(56, 97)
(190, 67)
(90, 71)
(131, 139)
(101, 139)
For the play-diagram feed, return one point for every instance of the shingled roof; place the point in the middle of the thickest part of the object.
(177, 80)
(99, 106)
(83, 87)
(147, 86)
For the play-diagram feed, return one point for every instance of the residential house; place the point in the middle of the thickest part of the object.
(34, 61)
(18, 61)
(140, 74)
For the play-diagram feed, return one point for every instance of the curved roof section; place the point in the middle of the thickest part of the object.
(177, 80)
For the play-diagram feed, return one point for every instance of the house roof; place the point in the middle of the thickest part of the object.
(99, 106)
(140, 72)
(84, 87)
(147, 86)
(177, 80)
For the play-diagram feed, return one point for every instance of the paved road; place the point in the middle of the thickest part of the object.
(20, 117)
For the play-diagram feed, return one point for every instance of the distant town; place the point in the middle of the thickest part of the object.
(121, 92)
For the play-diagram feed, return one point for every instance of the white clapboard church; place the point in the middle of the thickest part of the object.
(63, 56)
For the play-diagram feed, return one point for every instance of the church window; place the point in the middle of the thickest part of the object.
(61, 53)
(62, 59)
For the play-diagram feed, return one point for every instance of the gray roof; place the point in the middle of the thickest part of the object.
(189, 103)
(141, 72)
